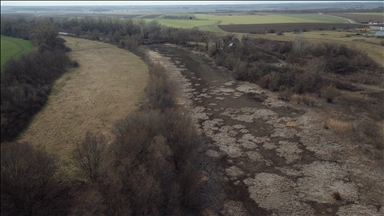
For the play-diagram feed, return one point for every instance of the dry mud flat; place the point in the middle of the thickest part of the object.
(275, 158)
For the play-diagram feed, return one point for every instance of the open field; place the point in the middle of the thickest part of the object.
(13, 47)
(151, 16)
(106, 87)
(361, 17)
(271, 18)
(184, 23)
(208, 22)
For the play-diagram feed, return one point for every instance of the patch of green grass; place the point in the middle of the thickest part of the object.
(211, 28)
(271, 18)
(13, 48)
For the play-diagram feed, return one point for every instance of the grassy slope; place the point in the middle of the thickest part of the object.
(13, 47)
(106, 87)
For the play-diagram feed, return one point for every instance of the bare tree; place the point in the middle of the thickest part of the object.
(89, 154)
(44, 35)
(26, 176)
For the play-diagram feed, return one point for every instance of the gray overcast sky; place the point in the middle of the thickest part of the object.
(67, 3)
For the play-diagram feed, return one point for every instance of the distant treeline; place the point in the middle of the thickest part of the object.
(26, 81)
(127, 32)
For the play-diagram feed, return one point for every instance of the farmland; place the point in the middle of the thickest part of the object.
(184, 23)
(271, 28)
(13, 47)
(105, 88)
(208, 22)
(361, 17)
(271, 18)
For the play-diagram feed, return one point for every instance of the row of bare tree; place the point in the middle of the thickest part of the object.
(26, 81)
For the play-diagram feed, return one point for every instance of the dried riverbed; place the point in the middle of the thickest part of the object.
(274, 158)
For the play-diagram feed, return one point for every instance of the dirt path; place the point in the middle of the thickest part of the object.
(106, 87)
(349, 20)
(274, 158)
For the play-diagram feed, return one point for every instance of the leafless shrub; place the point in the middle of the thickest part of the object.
(309, 100)
(240, 70)
(305, 99)
(285, 95)
(159, 90)
(329, 93)
(372, 133)
(336, 195)
(89, 154)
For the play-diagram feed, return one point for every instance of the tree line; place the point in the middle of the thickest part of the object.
(26, 81)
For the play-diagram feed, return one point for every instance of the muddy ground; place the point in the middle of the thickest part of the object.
(274, 157)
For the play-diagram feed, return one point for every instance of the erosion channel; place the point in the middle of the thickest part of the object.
(274, 157)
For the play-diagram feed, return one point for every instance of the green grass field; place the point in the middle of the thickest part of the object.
(184, 23)
(13, 48)
(272, 18)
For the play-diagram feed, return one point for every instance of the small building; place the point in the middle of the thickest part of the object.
(379, 33)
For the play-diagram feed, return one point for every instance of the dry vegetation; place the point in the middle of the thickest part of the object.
(106, 87)
(147, 161)
(339, 127)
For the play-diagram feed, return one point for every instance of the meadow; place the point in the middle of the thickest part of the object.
(13, 48)
(106, 87)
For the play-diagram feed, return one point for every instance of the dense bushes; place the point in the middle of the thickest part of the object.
(155, 159)
(259, 61)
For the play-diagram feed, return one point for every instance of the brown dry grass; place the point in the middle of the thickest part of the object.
(337, 125)
(106, 87)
